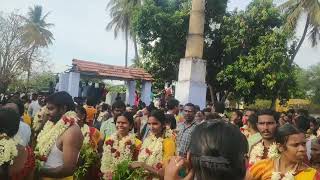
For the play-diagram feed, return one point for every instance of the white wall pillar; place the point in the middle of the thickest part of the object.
(63, 81)
(191, 86)
(73, 84)
(146, 92)
(130, 92)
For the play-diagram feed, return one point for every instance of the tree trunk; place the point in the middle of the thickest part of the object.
(29, 68)
(195, 39)
(273, 103)
(126, 37)
(211, 93)
(305, 31)
(136, 55)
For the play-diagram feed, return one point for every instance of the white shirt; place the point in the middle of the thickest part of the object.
(24, 133)
(34, 107)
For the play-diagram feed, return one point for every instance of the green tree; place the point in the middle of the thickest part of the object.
(260, 74)
(294, 9)
(36, 32)
(162, 28)
(309, 82)
(39, 81)
(120, 13)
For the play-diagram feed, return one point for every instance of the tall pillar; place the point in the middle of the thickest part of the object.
(191, 86)
(146, 92)
(63, 81)
(130, 92)
(73, 84)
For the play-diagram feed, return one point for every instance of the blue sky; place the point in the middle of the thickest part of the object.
(80, 33)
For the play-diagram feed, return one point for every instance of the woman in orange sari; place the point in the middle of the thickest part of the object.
(290, 164)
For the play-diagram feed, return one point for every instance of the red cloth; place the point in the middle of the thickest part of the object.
(28, 168)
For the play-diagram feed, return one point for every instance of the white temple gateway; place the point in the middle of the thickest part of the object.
(69, 81)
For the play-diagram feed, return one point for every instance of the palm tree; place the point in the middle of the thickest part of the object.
(36, 33)
(120, 13)
(294, 9)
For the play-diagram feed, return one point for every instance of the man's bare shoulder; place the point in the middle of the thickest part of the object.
(73, 132)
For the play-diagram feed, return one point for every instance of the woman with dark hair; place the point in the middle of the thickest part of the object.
(218, 151)
(290, 164)
(157, 148)
(120, 146)
(16, 162)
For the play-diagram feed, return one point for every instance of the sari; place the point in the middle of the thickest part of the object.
(263, 170)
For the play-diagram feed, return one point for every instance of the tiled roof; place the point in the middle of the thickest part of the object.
(110, 71)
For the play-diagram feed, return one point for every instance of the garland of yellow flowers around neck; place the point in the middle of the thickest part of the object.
(152, 149)
(8, 149)
(115, 151)
(258, 150)
(51, 132)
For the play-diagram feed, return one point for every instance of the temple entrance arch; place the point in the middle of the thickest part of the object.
(69, 81)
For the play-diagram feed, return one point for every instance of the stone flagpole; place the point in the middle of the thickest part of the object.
(191, 86)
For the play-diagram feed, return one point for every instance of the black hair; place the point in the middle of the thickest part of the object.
(9, 122)
(302, 123)
(159, 115)
(303, 112)
(315, 123)
(206, 110)
(170, 119)
(118, 104)
(239, 114)
(284, 132)
(219, 107)
(91, 101)
(128, 116)
(212, 116)
(81, 110)
(61, 99)
(197, 108)
(19, 104)
(104, 107)
(191, 105)
(268, 112)
(253, 120)
(218, 150)
(172, 103)
(239, 123)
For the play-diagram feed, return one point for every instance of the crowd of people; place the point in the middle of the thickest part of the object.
(53, 137)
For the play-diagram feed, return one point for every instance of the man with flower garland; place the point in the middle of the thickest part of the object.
(265, 148)
(60, 141)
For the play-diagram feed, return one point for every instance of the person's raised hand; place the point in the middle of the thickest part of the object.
(175, 164)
